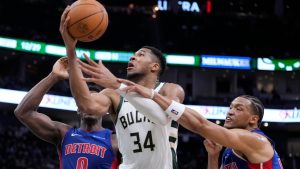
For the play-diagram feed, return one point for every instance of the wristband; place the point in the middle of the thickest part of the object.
(175, 110)
(120, 91)
(152, 94)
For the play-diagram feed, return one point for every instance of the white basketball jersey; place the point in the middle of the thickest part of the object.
(143, 144)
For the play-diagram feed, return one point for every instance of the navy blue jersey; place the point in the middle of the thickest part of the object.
(231, 160)
(86, 150)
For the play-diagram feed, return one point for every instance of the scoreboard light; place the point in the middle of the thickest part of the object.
(227, 62)
(194, 6)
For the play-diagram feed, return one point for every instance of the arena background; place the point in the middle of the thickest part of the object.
(197, 29)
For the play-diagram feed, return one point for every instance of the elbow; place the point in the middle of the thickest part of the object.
(90, 108)
(84, 108)
(18, 113)
(85, 105)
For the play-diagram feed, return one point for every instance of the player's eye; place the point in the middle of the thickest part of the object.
(239, 108)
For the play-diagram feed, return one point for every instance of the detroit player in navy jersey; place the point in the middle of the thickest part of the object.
(248, 146)
(261, 156)
(88, 147)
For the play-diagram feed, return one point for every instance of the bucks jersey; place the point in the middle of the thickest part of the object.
(86, 150)
(231, 160)
(142, 143)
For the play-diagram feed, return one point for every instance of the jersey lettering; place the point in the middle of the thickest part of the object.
(148, 143)
(131, 118)
(231, 166)
(82, 163)
(85, 148)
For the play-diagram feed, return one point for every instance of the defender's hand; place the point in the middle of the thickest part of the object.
(133, 87)
(99, 73)
(60, 68)
(212, 148)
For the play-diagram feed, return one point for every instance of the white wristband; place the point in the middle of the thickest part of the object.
(175, 110)
(152, 94)
(120, 91)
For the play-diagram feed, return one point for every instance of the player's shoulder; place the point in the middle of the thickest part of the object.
(171, 87)
(246, 134)
(242, 132)
(173, 91)
(62, 129)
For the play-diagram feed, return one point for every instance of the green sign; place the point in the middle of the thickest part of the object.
(109, 56)
(278, 64)
(30, 46)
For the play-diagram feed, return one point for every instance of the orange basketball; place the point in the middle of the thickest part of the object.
(88, 20)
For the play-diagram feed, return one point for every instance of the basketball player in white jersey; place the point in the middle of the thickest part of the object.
(146, 139)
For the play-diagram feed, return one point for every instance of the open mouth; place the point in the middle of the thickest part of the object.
(228, 119)
(130, 66)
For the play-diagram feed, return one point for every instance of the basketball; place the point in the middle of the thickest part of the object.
(88, 20)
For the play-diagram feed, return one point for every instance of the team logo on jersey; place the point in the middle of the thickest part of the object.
(102, 138)
(174, 112)
(74, 134)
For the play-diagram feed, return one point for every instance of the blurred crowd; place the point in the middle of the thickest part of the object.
(20, 149)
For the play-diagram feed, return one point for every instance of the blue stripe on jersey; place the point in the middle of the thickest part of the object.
(230, 160)
(86, 150)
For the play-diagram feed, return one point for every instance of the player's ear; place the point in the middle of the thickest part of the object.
(254, 119)
(155, 67)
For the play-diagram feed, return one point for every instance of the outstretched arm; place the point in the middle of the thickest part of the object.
(40, 124)
(86, 102)
(194, 121)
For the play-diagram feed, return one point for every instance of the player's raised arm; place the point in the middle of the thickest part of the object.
(85, 101)
(40, 124)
